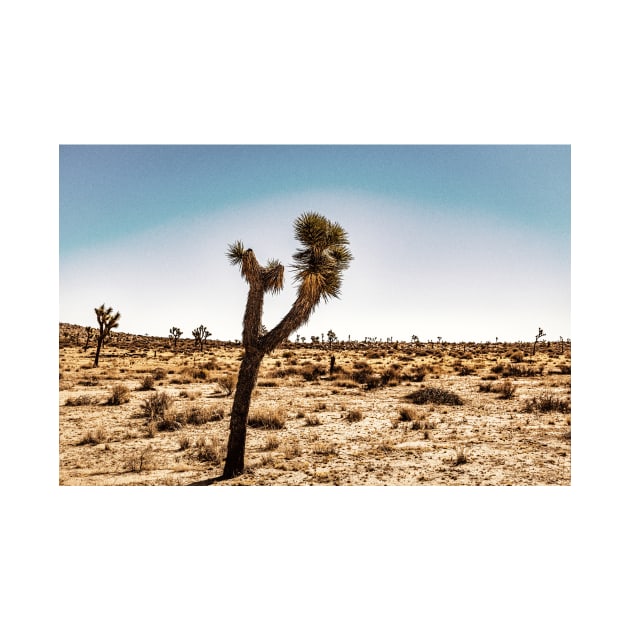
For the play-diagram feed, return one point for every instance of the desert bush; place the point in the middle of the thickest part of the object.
(312, 421)
(390, 376)
(95, 436)
(562, 368)
(227, 383)
(522, 370)
(212, 452)
(271, 444)
(267, 417)
(184, 442)
(82, 400)
(312, 372)
(197, 415)
(156, 405)
(324, 448)
(416, 374)
(517, 356)
(461, 456)
(434, 395)
(465, 370)
(120, 395)
(139, 461)
(546, 403)
(485, 388)
(362, 371)
(291, 449)
(407, 414)
(506, 390)
(267, 383)
(170, 421)
(147, 383)
(354, 415)
(159, 374)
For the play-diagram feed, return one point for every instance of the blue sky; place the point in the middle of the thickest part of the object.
(463, 242)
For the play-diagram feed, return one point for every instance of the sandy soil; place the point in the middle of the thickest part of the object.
(355, 427)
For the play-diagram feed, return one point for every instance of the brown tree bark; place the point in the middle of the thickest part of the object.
(247, 375)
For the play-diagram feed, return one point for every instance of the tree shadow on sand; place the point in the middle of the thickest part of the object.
(208, 482)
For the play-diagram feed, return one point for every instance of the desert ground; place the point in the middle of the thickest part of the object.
(389, 414)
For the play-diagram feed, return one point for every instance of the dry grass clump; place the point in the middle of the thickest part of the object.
(324, 448)
(156, 406)
(506, 390)
(82, 400)
(212, 451)
(291, 449)
(312, 421)
(311, 372)
(434, 395)
(547, 403)
(120, 395)
(271, 444)
(97, 436)
(418, 421)
(354, 415)
(228, 383)
(461, 456)
(196, 414)
(147, 383)
(140, 461)
(267, 417)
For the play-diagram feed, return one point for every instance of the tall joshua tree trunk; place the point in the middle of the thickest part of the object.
(318, 268)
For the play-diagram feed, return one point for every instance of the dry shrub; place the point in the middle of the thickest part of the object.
(354, 415)
(271, 444)
(324, 448)
(120, 395)
(147, 383)
(434, 395)
(212, 451)
(82, 400)
(156, 405)
(140, 461)
(506, 390)
(312, 372)
(267, 417)
(291, 449)
(227, 383)
(312, 421)
(461, 456)
(198, 415)
(95, 436)
(546, 403)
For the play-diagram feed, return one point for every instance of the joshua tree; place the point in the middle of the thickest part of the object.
(538, 336)
(318, 268)
(200, 334)
(332, 337)
(174, 334)
(88, 333)
(106, 321)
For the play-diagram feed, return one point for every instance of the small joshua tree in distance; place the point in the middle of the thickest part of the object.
(318, 267)
(538, 336)
(174, 334)
(200, 334)
(88, 336)
(106, 321)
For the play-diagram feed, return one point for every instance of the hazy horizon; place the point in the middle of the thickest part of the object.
(467, 243)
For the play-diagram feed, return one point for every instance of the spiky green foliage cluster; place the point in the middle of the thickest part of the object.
(324, 256)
